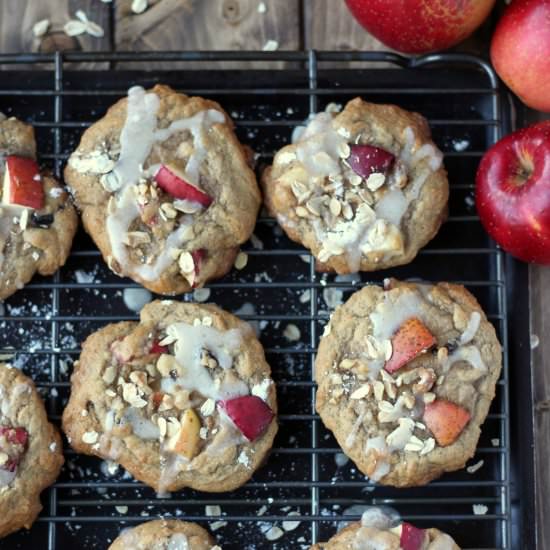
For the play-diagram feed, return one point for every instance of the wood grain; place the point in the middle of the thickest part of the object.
(208, 25)
(17, 18)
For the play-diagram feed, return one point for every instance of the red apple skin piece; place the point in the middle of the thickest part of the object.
(156, 348)
(365, 160)
(520, 51)
(25, 184)
(513, 193)
(412, 538)
(420, 26)
(445, 420)
(411, 339)
(17, 436)
(250, 414)
(169, 180)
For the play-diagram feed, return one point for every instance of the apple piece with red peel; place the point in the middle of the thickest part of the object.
(412, 538)
(520, 51)
(198, 257)
(420, 26)
(411, 339)
(16, 441)
(249, 413)
(513, 193)
(22, 183)
(172, 182)
(16, 436)
(156, 348)
(365, 160)
(445, 420)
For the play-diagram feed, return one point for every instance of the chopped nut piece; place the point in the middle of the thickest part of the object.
(347, 364)
(302, 212)
(292, 332)
(335, 206)
(90, 437)
(165, 364)
(208, 407)
(109, 375)
(378, 388)
(428, 397)
(375, 181)
(186, 263)
(361, 392)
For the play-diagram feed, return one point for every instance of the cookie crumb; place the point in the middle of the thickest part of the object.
(495, 442)
(291, 525)
(213, 510)
(243, 459)
(215, 525)
(201, 294)
(292, 332)
(480, 509)
(475, 467)
(121, 509)
(305, 296)
(271, 46)
(241, 260)
(274, 533)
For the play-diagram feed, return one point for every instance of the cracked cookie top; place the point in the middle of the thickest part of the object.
(406, 376)
(183, 398)
(363, 189)
(165, 189)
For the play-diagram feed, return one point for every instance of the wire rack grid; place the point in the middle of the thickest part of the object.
(306, 473)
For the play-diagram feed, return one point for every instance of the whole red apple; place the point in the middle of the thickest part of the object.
(520, 51)
(513, 193)
(420, 26)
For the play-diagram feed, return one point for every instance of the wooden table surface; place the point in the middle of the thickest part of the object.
(243, 24)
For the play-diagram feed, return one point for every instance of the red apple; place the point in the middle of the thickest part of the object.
(445, 420)
(365, 160)
(520, 51)
(22, 183)
(156, 348)
(420, 26)
(249, 413)
(513, 193)
(412, 538)
(171, 181)
(411, 339)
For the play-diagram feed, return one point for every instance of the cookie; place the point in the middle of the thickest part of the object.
(30, 451)
(406, 375)
(182, 399)
(374, 531)
(165, 534)
(37, 219)
(363, 189)
(165, 189)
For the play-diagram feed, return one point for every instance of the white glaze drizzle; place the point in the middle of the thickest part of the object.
(317, 148)
(137, 138)
(178, 541)
(471, 329)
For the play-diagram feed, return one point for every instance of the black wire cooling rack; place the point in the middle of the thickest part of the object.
(306, 480)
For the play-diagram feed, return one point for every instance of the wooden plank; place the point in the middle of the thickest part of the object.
(17, 18)
(208, 25)
(539, 290)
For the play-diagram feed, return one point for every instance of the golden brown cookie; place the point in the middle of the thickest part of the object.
(373, 532)
(37, 219)
(183, 398)
(165, 534)
(164, 189)
(363, 189)
(30, 451)
(406, 376)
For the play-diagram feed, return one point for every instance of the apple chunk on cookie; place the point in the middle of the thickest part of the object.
(22, 183)
(411, 339)
(170, 180)
(445, 420)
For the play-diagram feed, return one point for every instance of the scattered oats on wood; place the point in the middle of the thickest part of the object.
(270, 46)
(40, 28)
(139, 6)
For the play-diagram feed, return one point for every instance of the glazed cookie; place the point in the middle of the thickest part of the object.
(363, 189)
(37, 220)
(164, 189)
(30, 451)
(374, 532)
(406, 376)
(182, 399)
(165, 534)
